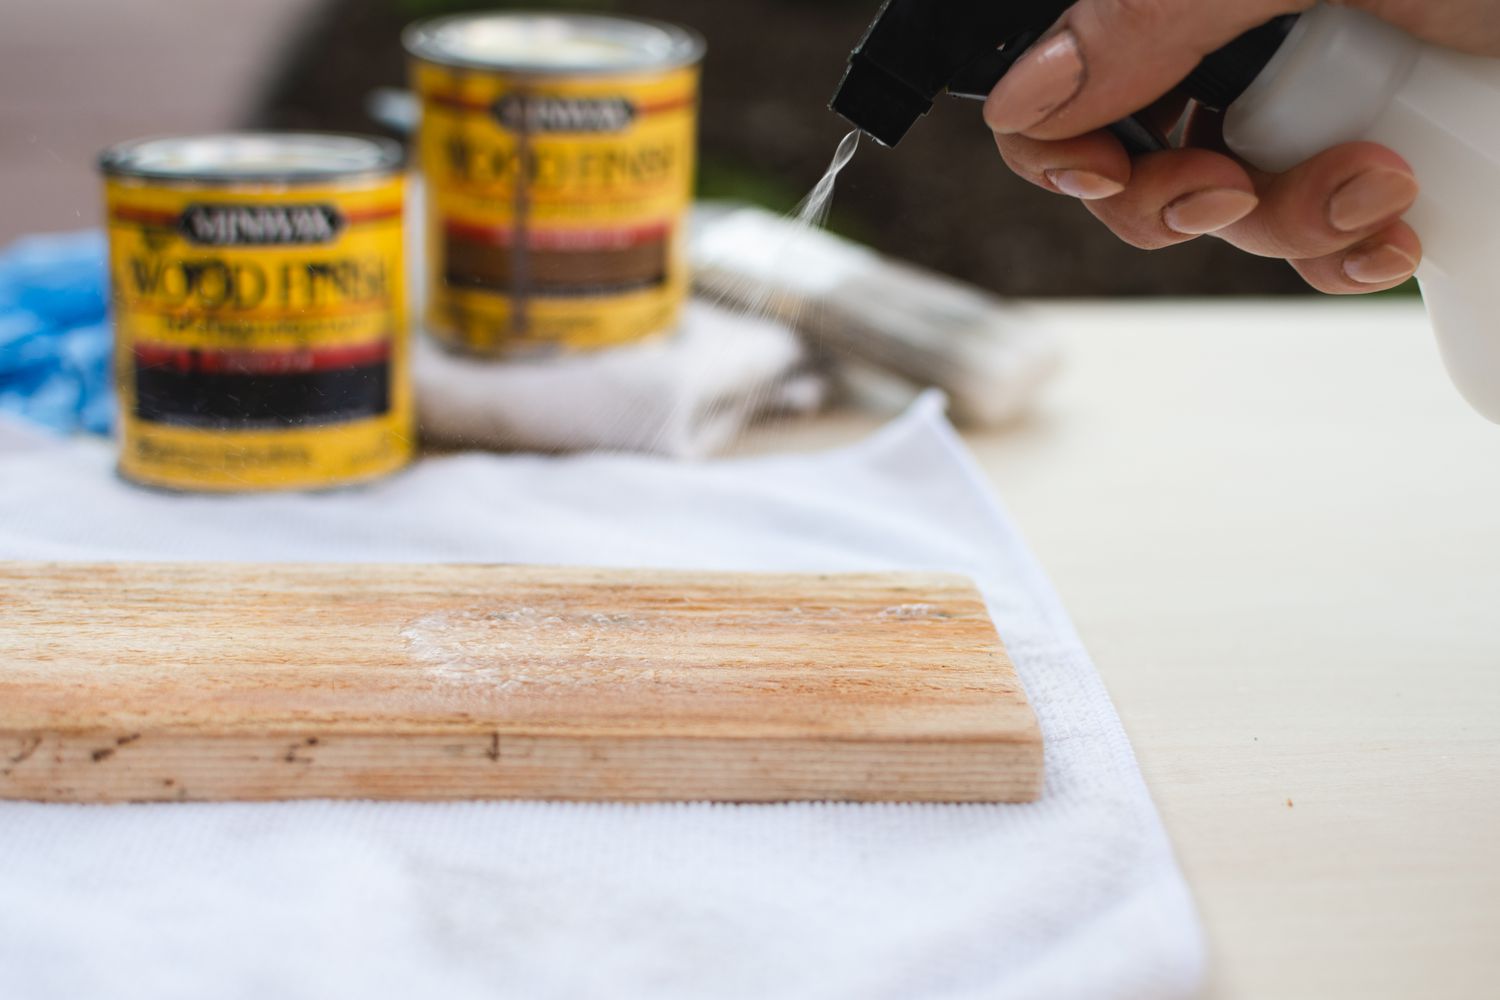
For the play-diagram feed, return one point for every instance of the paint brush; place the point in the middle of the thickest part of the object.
(852, 304)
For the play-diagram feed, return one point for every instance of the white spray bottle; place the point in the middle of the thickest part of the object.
(1292, 88)
(1343, 75)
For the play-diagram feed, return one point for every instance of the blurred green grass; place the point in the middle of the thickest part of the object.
(1407, 291)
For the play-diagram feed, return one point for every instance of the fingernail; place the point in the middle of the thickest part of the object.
(1208, 211)
(1379, 265)
(1371, 197)
(1044, 80)
(1084, 184)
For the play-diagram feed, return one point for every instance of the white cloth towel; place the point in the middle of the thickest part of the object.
(1074, 896)
(687, 395)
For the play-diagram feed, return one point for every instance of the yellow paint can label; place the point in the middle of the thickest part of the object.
(557, 190)
(261, 331)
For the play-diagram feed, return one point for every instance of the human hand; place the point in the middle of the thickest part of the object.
(1336, 218)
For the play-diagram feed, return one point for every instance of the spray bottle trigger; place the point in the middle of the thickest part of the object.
(1138, 136)
(978, 78)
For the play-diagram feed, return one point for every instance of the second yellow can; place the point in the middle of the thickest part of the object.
(559, 155)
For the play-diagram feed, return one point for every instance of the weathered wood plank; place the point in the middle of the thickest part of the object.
(216, 681)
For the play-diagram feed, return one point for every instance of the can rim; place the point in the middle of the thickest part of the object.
(363, 156)
(687, 46)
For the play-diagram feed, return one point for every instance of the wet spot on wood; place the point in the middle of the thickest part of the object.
(497, 650)
(919, 612)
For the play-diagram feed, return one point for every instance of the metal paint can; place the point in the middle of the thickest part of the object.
(258, 287)
(559, 153)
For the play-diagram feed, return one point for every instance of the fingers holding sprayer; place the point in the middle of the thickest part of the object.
(1335, 200)
(1089, 168)
(1382, 261)
(1106, 59)
(1177, 196)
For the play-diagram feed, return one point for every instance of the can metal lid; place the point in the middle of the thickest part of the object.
(552, 44)
(254, 157)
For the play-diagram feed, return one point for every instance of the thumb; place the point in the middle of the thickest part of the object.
(1469, 25)
(1107, 59)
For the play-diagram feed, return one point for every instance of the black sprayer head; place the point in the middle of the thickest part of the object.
(918, 49)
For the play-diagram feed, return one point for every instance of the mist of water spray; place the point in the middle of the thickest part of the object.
(760, 296)
(813, 211)
(763, 261)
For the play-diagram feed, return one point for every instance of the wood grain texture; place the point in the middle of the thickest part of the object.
(214, 681)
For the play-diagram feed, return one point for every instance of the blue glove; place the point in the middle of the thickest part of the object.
(55, 337)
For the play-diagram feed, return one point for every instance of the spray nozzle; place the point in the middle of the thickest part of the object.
(918, 49)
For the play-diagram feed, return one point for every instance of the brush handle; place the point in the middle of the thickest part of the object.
(989, 355)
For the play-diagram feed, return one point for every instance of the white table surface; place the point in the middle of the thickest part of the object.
(1278, 529)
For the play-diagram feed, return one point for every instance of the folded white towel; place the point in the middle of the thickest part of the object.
(687, 395)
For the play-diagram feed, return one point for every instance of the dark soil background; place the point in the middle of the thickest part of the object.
(942, 198)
